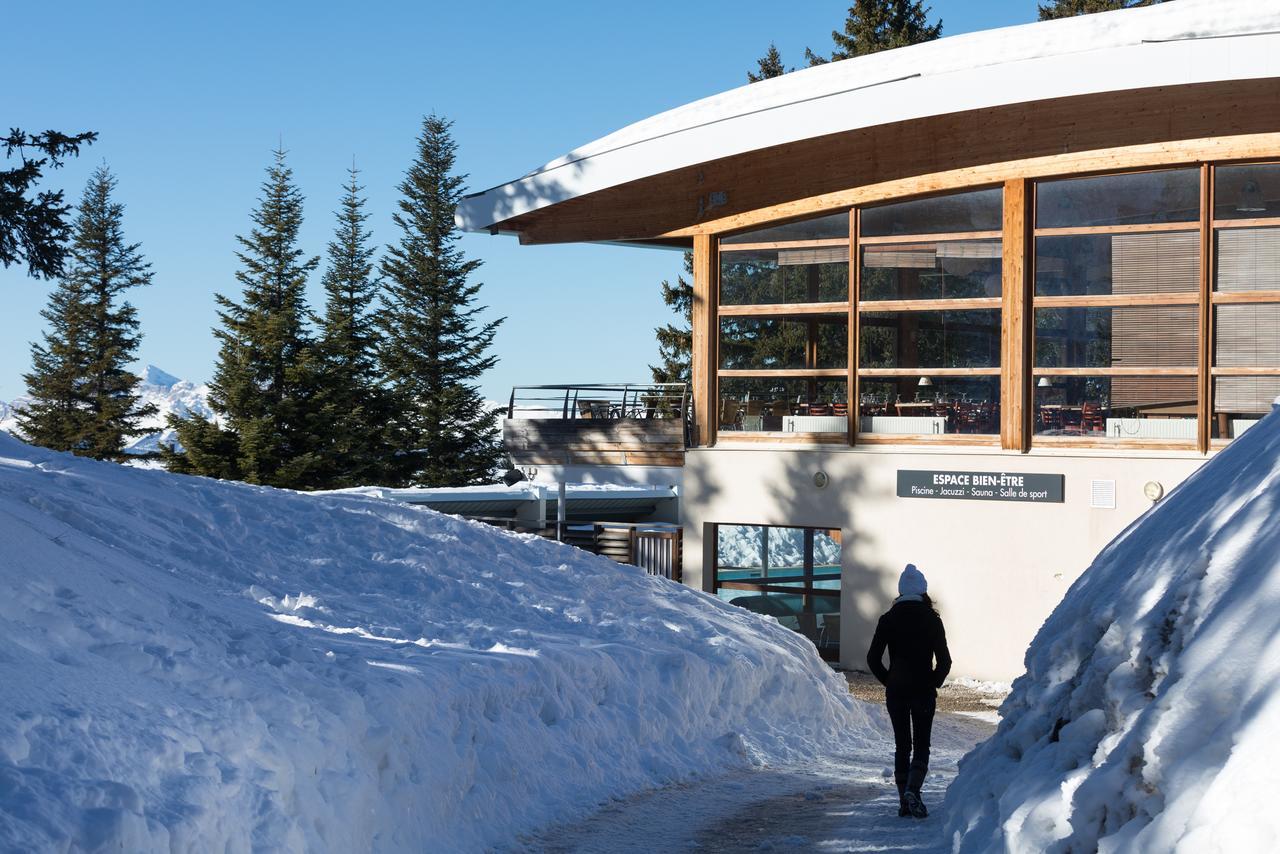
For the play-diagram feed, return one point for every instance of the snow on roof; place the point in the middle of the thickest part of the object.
(1147, 717)
(1189, 41)
(196, 665)
(498, 492)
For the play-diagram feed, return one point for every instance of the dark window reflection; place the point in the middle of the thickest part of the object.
(1128, 336)
(929, 405)
(1138, 197)
(1117, 407)
(930, 339)
(784, 276)
(959, 269)
(980, 210)
(1246, 192)
(1105, 264)
(751, 343)
(831, 227)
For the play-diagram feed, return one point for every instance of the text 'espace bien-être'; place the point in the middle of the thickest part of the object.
(981, 485)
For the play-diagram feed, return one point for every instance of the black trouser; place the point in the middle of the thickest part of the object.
(912, 718)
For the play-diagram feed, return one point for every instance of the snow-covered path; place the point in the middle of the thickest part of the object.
(843, 804)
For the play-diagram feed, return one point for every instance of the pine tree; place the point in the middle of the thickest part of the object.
(770, 65)
(83, 394)
(351, 399)
(675, 340)
(1070, 8)
(876, 25)
(33, 228)
(434, 345)
(264, 385)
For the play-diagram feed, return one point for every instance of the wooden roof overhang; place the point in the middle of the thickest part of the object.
(1094, 132)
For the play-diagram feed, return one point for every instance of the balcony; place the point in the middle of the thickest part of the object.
(603, 424)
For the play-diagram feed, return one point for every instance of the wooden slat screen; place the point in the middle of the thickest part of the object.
(1248, 259)
(1160, 262)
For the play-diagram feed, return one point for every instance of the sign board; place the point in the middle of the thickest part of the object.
(981, 485)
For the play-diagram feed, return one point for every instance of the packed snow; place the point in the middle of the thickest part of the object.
(1147, 717)
(170, 395)
(197, 665)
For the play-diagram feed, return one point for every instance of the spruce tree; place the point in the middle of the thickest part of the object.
(875, 25)
(675, 340)
(770, 65)
(83, 393)
(351, 399)
(264, 385)
(33, 226)
(1070, 8)
(435, 347)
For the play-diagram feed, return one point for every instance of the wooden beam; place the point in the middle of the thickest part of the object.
(1014, 337)
(929, 239)
(1095, 132)
(909, 439)
(855, 285)
(1244, 297)
(835, 309)
(1118, 300)
(744, 438)
(706, 338)
(1121, 228)
(782, 373)
(929, 304)
(1245, 372)
(928, 372)
(1260, 222)
(1204, 397)
(1117, 372)
(782, 244)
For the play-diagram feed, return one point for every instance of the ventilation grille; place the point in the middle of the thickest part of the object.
(1102, 494)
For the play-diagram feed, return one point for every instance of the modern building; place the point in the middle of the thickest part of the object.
(972, 304)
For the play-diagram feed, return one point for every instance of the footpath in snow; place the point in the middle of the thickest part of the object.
(837, 803)
(190, 665)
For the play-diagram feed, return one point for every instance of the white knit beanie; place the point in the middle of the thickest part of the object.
(911, 582)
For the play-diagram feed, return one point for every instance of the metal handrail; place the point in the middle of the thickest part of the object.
(651, 398)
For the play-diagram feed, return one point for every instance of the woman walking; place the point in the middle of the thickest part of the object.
(913, 633)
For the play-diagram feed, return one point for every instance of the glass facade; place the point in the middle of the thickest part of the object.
(789, 573)
(1134, 289)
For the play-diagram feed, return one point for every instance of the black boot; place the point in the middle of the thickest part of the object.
(914, 805)
(904, 811)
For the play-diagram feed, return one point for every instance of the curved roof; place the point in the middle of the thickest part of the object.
(1171, 44)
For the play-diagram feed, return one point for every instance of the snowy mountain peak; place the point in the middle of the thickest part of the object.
(156, 377)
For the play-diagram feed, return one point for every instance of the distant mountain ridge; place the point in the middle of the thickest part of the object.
(172, 396)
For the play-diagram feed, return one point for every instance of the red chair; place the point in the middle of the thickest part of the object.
(1091, 420)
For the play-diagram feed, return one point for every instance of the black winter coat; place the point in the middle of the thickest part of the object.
(913, 633)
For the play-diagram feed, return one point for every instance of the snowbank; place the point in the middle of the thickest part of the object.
(196, 665)
(1147, 718)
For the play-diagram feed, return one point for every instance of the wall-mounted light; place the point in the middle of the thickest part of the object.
(1251, 200)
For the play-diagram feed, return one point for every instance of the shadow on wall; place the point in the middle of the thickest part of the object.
(794, 499)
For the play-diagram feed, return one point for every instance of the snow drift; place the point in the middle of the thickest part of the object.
(1147, 718)
(189, 664)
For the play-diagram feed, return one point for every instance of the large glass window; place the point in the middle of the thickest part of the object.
(765, 343)
(977, 210)
(783, 405)
(791, 574)
(1117, 407)
(1115, 311)
(1136, 198)
(929, 310)
(1246, 297)
(784, 329)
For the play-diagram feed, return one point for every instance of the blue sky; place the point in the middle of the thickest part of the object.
(190, 99)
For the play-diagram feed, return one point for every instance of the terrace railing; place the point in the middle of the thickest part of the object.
(654, 547)
(599, 424)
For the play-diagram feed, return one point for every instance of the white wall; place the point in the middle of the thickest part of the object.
(996, 569)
